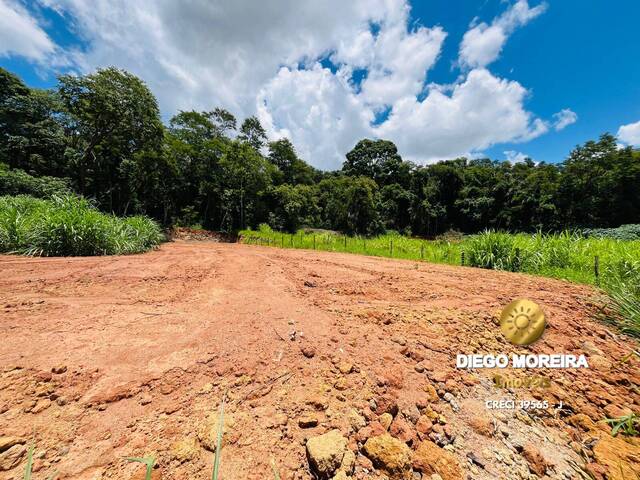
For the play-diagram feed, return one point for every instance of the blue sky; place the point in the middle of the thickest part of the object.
(324, 77)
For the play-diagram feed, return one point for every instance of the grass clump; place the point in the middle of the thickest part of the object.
(70, 226)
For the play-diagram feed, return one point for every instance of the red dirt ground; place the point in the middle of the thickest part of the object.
(147, 345)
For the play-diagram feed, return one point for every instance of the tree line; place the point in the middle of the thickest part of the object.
(103, 134)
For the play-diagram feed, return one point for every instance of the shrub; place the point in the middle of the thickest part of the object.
(19, 182)
(624, 232)
(70, 226)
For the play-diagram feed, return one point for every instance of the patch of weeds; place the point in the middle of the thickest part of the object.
(627, 424)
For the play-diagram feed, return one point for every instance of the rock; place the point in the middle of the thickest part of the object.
(431, 459)
(432, 393)
(41, 406)
(481, 425)
(11, 457)
(385, 420)
(185, 450)
(59, 369)
(403, 431)
(424, 425)
(345, 368)
(620, 458)
(616, 411)
(325, 453)
(308, 421)
(341, 476)
(208, 432)
(318, 402)
(7, 442)
(348, 462)
(341, 384)
(145, 399)
(386, 404)
(600, 363)
(308, 351)
(537, 463)
(356, 420)
(389, 454)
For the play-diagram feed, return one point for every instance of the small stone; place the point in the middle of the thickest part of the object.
(481, 425)
(11, 457)
(308, 421)
(537, 463)
(185, 450)
(208, 432)
(429, 459)
(424, 425)
(62, 401)
(348, 462)
(7, 442)
(59, 369)
(308, 351)
(41, 406)
(145, 399)
(356, 420)
(403, 431)
(341, 384)
(325, 453)
(385, 420)
(345, 368)
(389, 454)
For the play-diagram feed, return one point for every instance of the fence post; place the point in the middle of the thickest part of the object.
(462, 258)
(291, 241)
(314, 242)
(364, 244)
(596, 269)
(391, 247)
(422, 251)
(345, 242)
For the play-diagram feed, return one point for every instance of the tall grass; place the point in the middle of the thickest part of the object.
(567, 256)
(68, 226)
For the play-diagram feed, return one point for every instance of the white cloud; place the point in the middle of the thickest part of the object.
(514, 156)
(264, 58)
(20, 33)
(483, 43)
(630, 134)
(564, 118)
(481, 111)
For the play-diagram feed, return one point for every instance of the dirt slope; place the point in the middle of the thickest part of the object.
(146, 346)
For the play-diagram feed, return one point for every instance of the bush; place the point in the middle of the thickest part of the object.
(624, 232)
(70, 226)
(19, 182)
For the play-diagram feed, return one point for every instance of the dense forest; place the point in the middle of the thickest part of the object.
(101, 135)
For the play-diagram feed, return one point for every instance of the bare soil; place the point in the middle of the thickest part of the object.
(144, 348)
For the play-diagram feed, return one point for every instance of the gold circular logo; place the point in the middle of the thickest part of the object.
(522, 322)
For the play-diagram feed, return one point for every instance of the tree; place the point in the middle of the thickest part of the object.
(31, 138)
(111, 115)
(252, 132)
(379, 160)
(294, 170)
(245, 175)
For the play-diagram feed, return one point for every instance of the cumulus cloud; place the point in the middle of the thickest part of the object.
(479, 112)
(630, 134)
(271, 59)
(20, 33)
(483, 43)
(564, 118)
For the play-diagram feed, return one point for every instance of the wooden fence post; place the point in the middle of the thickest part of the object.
(422, 251)
(314, 242)
(391, 247)
(462, 258)
(596, 269)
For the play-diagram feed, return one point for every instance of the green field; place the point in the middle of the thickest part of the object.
(611, 264)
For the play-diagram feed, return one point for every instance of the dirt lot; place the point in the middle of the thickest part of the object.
(104, 358)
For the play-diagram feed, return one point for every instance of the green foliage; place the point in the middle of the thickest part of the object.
(69, 226)
(149, 462)
(18, 182)
(623, 232)
(494, 250)
(627, 424)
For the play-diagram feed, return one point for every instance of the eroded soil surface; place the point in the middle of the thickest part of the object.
(104, 358)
